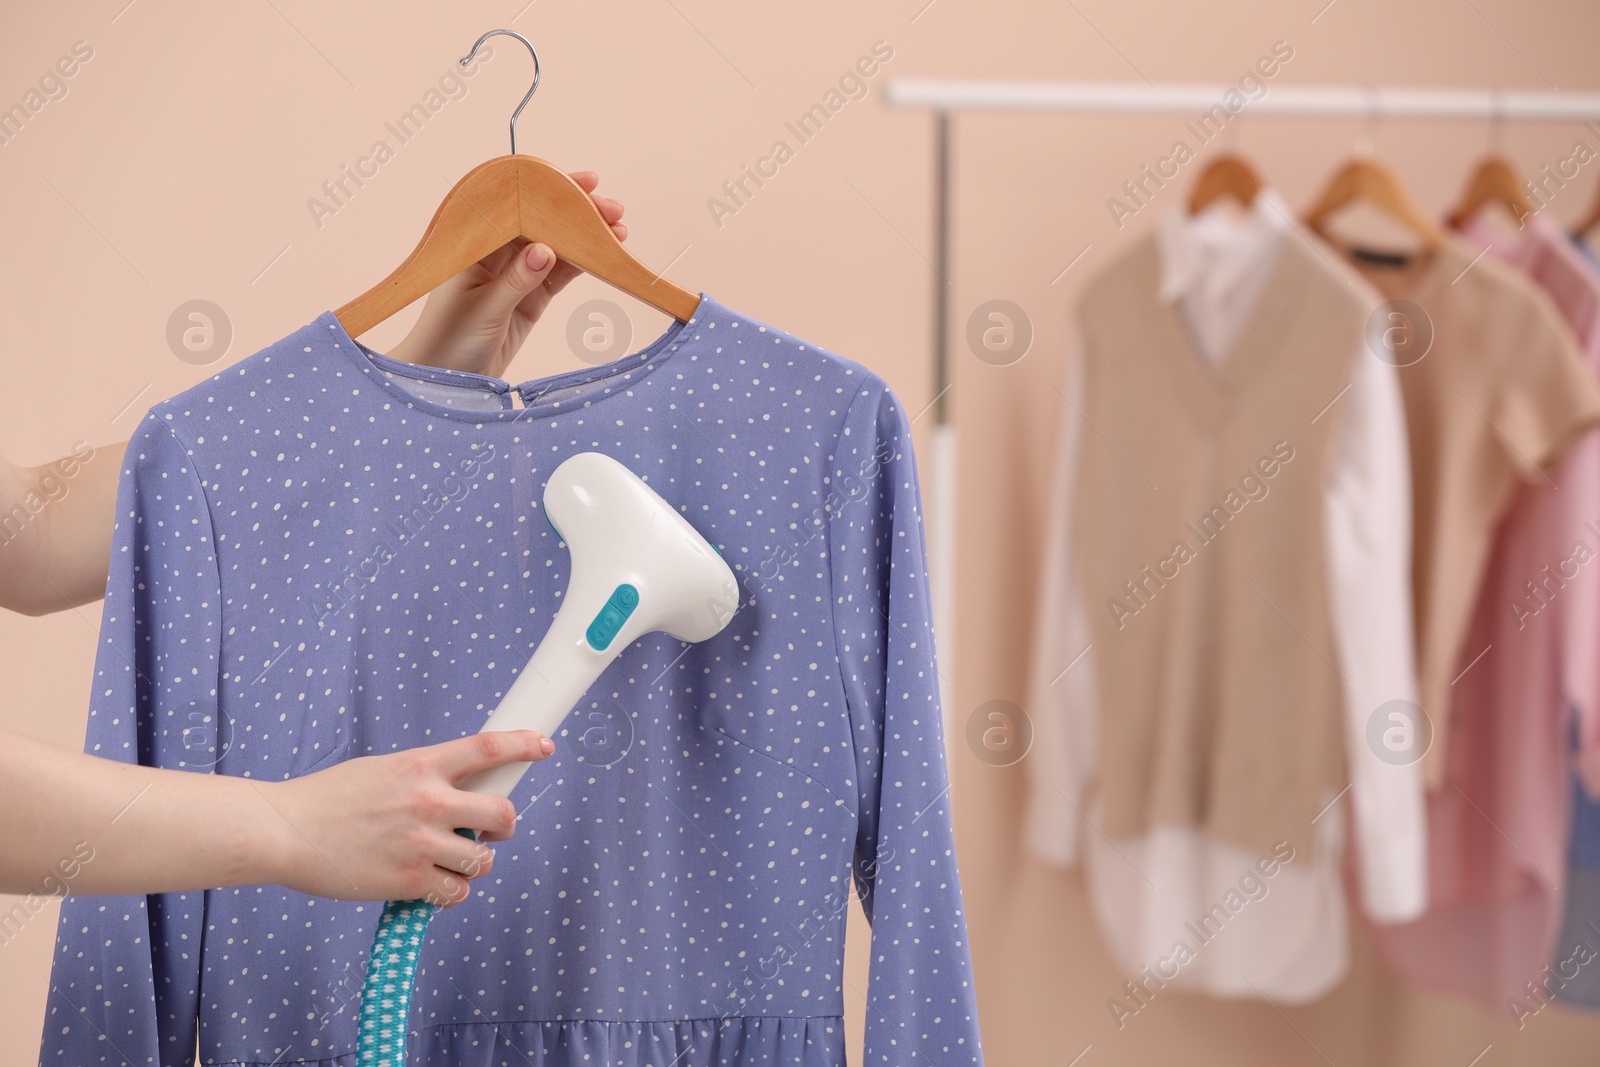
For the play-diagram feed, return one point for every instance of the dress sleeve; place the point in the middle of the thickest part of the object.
(921, 1005)
(124, 987)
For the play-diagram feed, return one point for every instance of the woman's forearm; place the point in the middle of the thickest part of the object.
(56, 523)
(76, 823)
(370, 828)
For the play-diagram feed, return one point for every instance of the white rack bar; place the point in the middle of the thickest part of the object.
(955, 94)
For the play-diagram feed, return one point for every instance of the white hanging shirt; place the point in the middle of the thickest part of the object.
(1284, 935)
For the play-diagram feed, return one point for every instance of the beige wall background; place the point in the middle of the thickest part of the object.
(179, 162)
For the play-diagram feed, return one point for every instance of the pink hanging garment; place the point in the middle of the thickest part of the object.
(1497, 828)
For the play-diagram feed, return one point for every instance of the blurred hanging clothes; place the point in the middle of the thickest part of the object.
(1222, 356)
(1495, 393)
(1573, 977)
(1497, 827)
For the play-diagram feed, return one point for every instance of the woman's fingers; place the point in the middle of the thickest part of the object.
(491, 818)
(484, 751)
(456, 861)
(610, 209)
(446, 889)
(458, 855)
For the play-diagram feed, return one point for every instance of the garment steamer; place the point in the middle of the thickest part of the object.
(637, 567)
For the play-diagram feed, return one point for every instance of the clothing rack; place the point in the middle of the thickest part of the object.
(946, 96)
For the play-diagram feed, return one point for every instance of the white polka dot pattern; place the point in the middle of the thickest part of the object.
(315, 560)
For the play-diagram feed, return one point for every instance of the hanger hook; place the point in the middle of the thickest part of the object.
(511, 33)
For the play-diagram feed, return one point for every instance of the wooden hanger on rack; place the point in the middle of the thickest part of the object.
(495, 203)
(1228, 175)
(1369, 180)
(1494, 182)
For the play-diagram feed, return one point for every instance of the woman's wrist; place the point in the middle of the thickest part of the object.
(263, 846)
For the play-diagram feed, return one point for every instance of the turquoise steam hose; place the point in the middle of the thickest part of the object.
(391, 973)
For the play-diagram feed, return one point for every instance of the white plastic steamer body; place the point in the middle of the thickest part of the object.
(637, 567)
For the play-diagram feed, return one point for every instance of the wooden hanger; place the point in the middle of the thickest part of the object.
(1494, 182)
(1369, 180)
(495, 203)
(1228, 175)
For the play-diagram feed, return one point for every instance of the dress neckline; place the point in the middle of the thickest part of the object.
(568, 391)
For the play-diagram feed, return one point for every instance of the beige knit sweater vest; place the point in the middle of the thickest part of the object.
(1198, 517)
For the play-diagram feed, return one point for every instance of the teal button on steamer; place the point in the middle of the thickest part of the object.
(638, 567)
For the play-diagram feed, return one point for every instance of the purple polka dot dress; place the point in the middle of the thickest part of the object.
(323, 553)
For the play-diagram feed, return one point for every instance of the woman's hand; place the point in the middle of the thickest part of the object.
(383, 827)
(478, 320)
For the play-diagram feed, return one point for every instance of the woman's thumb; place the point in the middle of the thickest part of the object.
(524, 273)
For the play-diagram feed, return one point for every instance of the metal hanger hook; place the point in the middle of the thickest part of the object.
(511, 33)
